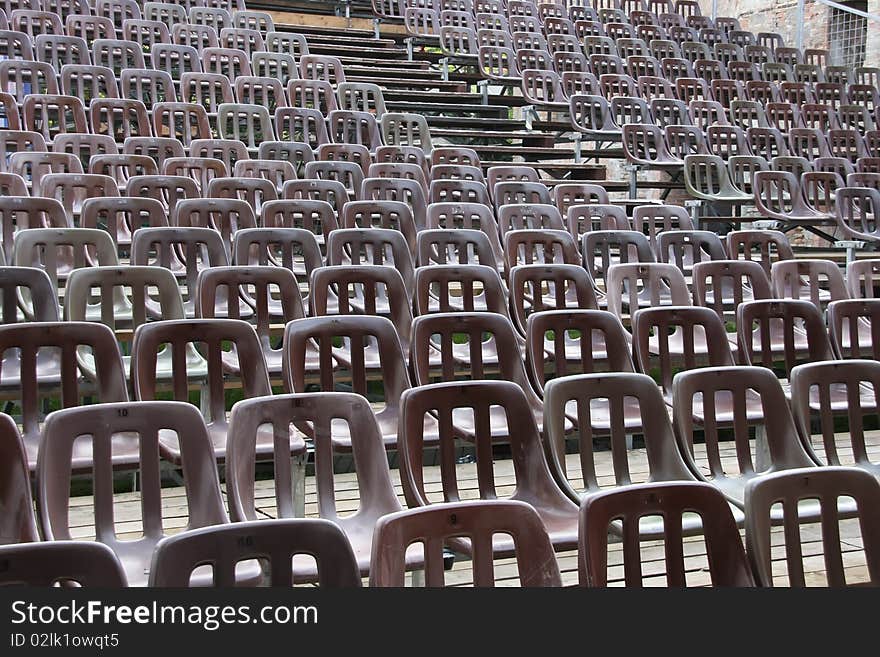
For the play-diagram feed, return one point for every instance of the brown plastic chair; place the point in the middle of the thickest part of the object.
(652, 219)
(316, 216)
(177, 335)
(460, 190)
(32, 166)
(321, 416)
(201, 169)
(168, 190)
(394, 215)
(253, 191)
(582, 219)
(478, 523)
(673, 503)
(182, 121)
(817, 281)
(538, 288)
(445, 246)
(275, 171)
(58, 251)
(72, 189)
(467, 216)
(274, 543)
(360, 289)
(851, 325)
(22, 212)
(398, 189)
(528, 216)
(857, 212)
(224, 215)
(294, 249)
(687, 248)
(525, 247)
(762, 246)
(827, 391)
(785, 330)
(491, 339)
(459, 287)
(376, 246)
(316, 95)
(377, 332)
(123, 298)
(633, 285)
(730, 399)
(823, 487)
(143, 424)
(18, 524)
(671, 339)
(85, 563)
(122, 166)
(724, 284)
(331, 191)
(159, 149)
(480, 400)
(185, 251)
(68, 338)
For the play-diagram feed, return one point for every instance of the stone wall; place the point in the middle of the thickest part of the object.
(782, 16)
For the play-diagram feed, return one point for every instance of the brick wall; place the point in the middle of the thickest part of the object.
(782, 16)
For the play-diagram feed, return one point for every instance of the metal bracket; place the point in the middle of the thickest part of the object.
(633, 180)
(376, 22)
(578, 157)
(444, 68)
(529, 116)
(694, 205)
(483, 86)
(409, 48)
(850, 246)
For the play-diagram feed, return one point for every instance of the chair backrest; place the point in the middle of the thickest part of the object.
(808, 280)
(478, 521)
(373, 246)
(760, 322)
(558, 286)
(85, 563)
(317, 415)
(17, 522)
(177, 335)
(27, 295)
(644, 284)
(23, 212)
(672, 338)
(451, 288)
(733, 398)
(818, 390)
(825, 486)
(143, 422)
(569, 342)
(274, 543)
(724, 550)
(533, 479)
(763, 246)
(852, 326)
(724, 284)
(356, 329)
(68, 338)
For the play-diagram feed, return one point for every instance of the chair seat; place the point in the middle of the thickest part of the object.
(170, 448)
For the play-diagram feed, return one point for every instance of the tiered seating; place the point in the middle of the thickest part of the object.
(198, 207)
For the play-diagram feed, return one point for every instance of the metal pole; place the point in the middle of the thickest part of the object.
(800, 24)
(714, 9)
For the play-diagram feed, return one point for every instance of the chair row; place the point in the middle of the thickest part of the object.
(541, 483)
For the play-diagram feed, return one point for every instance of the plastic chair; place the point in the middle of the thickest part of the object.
(88, 564)
(18, 523)
(762, 246)
(672, 502)
(732, 398)
(177, 335)
(68, 337)
(817, 281)
(827, 391)
(354, 330)
(274, 543)
(449, 402)
(144, 424)
(321, 416)
(477, 522)
(823, 487)
(376, 246)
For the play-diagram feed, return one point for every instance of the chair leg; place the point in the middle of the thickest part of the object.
(762, 449)
(298, 484)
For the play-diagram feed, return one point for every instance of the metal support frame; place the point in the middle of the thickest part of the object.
(444, 68)
(409, 48)
(850, 246)
(376, 23)
(694, 206)
(633, 180)
(483, 86)
(578, 157)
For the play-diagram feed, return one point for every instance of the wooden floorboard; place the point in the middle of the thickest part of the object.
(175, 515)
